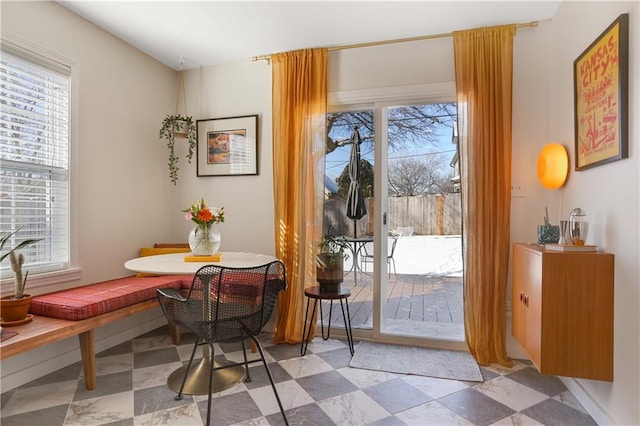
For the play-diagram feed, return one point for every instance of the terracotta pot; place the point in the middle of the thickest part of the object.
(329, 271)
(12, 310)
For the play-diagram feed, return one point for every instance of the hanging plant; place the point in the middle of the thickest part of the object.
(177, 126)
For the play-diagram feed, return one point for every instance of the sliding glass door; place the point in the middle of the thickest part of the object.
(420, 267)
(405, 268)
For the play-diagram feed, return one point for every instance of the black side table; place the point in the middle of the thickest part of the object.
(315, 294)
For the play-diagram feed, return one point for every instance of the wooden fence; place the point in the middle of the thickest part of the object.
(427, 214)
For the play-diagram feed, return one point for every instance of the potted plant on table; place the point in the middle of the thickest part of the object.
(178, 126)
(15, 307)
(332, 252)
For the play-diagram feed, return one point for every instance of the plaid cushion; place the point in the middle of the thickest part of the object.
(231, 287)
(96, 299)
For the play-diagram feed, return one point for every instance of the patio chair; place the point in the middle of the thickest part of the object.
(226, 305)
(367, 255)
(403, 231)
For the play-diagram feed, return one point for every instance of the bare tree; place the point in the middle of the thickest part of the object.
(409, 126)
(419, 176)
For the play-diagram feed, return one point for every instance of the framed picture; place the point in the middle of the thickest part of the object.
(227, 146)
(601, 87)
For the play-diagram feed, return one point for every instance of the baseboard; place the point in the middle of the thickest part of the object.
(595, 410)
(37, 363)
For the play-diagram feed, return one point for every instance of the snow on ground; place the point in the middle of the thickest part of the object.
(427, 254)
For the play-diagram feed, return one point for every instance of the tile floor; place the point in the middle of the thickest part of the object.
(317, 389)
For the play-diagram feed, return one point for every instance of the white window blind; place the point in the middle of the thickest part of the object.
(34, 157)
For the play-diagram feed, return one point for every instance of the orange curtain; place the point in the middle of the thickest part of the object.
(299, 133)
(483, 66)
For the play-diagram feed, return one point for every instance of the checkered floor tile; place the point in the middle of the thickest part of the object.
(317, 389)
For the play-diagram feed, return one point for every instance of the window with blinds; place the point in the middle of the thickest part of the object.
(34, 157)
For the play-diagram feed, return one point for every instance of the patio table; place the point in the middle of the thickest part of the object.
(356, 244)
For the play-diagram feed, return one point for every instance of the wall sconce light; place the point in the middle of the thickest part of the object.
(553, 165)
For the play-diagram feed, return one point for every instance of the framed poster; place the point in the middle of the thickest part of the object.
(227, 146)
(601, 87)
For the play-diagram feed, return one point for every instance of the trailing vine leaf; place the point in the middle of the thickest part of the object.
(170, 125)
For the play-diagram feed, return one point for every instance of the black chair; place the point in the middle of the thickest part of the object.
(226, 305)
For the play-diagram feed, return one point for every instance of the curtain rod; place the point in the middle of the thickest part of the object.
(267, 58)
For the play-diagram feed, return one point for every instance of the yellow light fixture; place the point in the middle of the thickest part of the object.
(553, 165)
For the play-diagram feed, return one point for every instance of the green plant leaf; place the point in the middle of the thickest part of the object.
(169, 125)
(20, 245)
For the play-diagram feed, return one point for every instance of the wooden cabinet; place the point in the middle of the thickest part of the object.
(562, 310)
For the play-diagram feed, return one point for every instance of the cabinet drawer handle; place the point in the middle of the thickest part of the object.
(521, 296)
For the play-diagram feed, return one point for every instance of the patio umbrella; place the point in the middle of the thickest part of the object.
(356, 207)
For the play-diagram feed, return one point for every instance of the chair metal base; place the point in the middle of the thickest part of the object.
(226, 375)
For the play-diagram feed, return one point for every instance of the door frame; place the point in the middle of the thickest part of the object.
(379, 99)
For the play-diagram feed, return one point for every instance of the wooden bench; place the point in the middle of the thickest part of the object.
(79, 311)
(44, 330)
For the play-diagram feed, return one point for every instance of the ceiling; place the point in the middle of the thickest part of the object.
(201, 33)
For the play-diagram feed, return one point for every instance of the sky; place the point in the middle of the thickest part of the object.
(337, 160)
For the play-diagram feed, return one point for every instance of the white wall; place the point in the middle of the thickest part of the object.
(529, 134)
(122, 196)
(235, 89)
(123, 193)
(543, 113)
(403, 64)
(143, 206)
(609, 193)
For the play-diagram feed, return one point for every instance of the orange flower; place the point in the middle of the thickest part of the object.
(201, 214)
(205, 215)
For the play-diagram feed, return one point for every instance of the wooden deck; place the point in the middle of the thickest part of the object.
(411, 299)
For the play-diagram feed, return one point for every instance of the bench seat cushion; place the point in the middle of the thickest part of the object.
(96, 299)
(232, 284)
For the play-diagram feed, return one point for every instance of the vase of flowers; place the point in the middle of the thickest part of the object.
(204, 239)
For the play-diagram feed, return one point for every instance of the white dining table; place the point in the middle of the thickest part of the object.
(226, 373)
(175, 264)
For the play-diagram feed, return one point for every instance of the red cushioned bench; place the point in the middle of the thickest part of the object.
(97, 299)
(80, 310)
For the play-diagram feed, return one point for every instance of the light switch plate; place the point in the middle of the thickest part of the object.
(517, 191)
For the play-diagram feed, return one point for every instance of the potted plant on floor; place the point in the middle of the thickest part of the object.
(178, 126)
(332, 252)
(15, 307)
